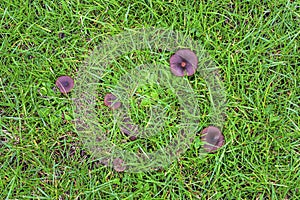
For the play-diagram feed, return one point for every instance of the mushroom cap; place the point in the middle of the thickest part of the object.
(110, 100)
(183, 60)
(129, 129)
(65, 84)
(119, 165)
(213, 138)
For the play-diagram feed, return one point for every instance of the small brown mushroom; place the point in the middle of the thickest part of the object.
(119, 165)
(213, 139)
(65, 84)
(184, 60)
(110, 100)
(129, 129)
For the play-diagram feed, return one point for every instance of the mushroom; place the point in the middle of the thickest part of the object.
(65, 84)
(129, 129)
(119, 165)
(110, 101)
(184, 60)
(213, 138)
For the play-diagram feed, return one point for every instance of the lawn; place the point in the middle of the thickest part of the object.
(255, 46)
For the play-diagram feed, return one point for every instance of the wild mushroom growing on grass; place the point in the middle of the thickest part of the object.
(126, 127)
(110, 100)
(213, 138)
(184, 61)
(119, 165)
(129, 129)
(65, 84)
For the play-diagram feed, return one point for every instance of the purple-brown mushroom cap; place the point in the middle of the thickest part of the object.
(183, 61)
(129, 129)
(65, 84)
(119, 165)
(213, 138)
(110, 100)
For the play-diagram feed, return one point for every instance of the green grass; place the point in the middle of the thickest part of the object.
(256, 47)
